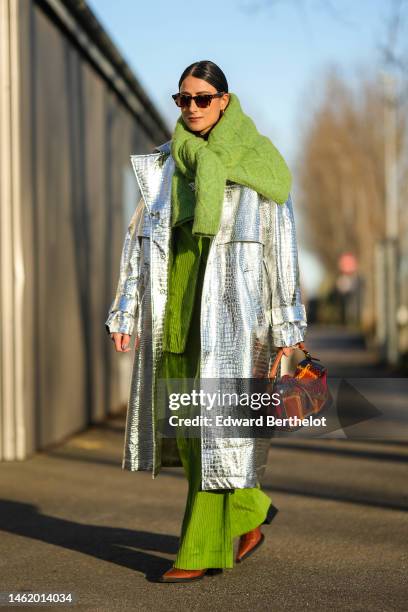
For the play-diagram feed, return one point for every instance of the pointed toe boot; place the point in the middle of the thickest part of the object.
(175, 574)
(249, 543)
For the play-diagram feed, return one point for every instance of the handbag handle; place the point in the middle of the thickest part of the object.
(274, 367)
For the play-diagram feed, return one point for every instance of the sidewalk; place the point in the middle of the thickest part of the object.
(72, 520)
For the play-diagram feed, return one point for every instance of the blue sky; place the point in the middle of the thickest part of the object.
(273, 53)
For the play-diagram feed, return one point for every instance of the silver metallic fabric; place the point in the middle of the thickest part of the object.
(250, 299)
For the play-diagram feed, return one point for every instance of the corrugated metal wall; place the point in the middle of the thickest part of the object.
(77, 196)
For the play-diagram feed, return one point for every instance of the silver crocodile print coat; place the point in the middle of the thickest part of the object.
(250, 293)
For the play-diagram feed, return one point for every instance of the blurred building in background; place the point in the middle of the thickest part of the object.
(71, 113)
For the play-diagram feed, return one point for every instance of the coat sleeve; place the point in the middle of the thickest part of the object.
(287, 314)
(124, 308)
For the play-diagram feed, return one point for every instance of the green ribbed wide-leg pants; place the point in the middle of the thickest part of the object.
(211, 519)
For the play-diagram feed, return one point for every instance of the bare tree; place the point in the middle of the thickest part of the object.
(341, 175)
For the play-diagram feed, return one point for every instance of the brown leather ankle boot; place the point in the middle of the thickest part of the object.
(176, 574)
(248, 543)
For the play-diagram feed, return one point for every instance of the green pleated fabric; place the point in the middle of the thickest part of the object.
(211, 519)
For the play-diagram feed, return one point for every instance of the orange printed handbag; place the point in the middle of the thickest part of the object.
(305, 393)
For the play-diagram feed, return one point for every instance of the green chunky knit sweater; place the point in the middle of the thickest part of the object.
(187, 253)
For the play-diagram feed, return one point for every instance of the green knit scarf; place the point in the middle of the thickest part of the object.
(234, 151)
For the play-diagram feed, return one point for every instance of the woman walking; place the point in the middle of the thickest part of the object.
(209, 285)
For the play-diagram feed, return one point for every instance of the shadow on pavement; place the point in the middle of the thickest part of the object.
(111, 544)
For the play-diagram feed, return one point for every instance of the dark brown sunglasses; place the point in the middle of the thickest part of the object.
(202, 100)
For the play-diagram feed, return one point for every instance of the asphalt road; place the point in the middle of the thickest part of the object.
(72, 521)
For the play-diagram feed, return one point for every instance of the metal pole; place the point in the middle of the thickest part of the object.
(391, 217)
(380, 298)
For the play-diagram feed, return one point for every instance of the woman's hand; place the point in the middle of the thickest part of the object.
(288, 350)
(122, 342)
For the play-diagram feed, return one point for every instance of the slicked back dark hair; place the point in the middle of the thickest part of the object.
(208, 71)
